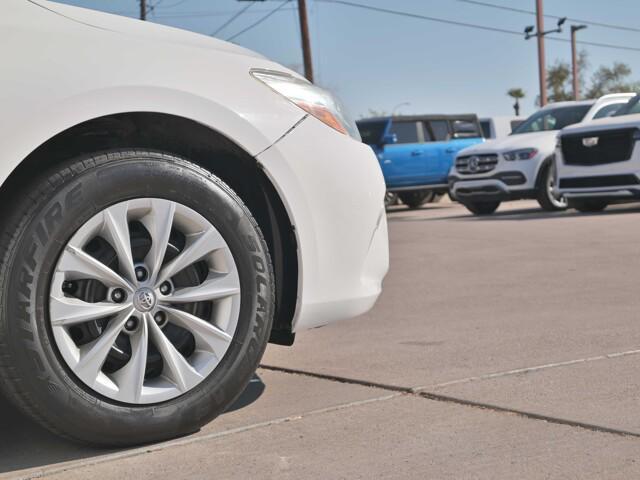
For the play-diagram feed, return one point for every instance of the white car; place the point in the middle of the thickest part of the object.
(598, 163)
(170, 202)
(520, 166)
(499, 127)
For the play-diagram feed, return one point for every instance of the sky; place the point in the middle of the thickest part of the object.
(381, 62)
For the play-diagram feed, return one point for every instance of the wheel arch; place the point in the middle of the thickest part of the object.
(202, 145)
(543, 164)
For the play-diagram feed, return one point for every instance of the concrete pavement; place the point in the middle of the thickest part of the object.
(502, 347)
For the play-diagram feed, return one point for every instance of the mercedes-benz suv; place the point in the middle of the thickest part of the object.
(520, 166)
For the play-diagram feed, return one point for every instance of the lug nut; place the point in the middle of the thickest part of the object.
(131, 324)
(141, 274)
(160, 318)
(165, 288)
(118, 295)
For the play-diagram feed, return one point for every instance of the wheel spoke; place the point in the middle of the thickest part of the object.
(130, 378)
(93, 355)
(116, 229)
(82, 265)
(177, 369)
(158, 222)
(66, 311)
(197, 248)
(209, 336)
(211, 289)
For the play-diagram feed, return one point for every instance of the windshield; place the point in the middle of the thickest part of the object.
(553, 119)
(372, 131)
(631, 107)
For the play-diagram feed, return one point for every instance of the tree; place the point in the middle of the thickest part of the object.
(603, 81)
(611, 80)
(517, 94)
(559, 85)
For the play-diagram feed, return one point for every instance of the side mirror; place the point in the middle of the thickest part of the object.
(389, 139)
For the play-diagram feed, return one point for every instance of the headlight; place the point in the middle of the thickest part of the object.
(522, 154)
(313, 100)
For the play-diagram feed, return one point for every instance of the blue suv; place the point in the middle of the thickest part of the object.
(417, 152)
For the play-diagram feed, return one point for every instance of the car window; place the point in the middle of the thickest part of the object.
(633, 106)
(515, 124)
(440, 129)
(372, 131)
(553, 119)
(426, 133)
(608, 110)
(486, 128)
(465, 129)
(407, 132)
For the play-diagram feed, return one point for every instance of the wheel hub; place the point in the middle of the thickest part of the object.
(144, 300)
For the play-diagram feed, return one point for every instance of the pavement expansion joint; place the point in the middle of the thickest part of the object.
(421, 392)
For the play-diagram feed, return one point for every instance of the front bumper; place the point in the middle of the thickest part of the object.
(333, 189)
(617, 181)
(507, 181)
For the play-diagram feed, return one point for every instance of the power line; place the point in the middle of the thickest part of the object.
(468, 25)
(422, 17)
(228, 22)
(255, 24)
(531, 12)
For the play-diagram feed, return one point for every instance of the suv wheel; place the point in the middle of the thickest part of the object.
(416, 199)
(136, 298)
(547, 200)
(482, 208)
(589, 206)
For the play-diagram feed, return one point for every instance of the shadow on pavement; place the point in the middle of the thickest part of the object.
(525, 214)
(25, 444)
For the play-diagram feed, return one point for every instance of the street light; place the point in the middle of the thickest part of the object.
(574, 60)
(397, 107)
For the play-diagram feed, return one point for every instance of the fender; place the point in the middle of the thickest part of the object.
(20, 138)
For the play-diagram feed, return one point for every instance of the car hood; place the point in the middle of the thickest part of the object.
(142, 30)
(625, 121)
(539, 140)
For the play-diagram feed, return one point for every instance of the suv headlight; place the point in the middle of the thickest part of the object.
(310, 98)
(522, 154)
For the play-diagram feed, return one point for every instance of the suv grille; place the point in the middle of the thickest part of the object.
(472, 164)
(598, 148)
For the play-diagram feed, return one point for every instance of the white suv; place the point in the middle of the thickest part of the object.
(599, 163)
(520, 165)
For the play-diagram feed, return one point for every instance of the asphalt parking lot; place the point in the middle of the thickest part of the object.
(502, 347)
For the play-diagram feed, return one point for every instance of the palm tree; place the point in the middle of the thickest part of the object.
(516, 94)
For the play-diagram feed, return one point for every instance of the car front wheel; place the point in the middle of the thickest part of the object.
(545, 195)
(590, 206)
(482, 208)
(136, 298)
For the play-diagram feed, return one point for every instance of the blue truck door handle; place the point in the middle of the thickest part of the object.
(416, 153)
(451, 150)
(387, 161)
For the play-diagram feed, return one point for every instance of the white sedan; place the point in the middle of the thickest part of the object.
(170, 203)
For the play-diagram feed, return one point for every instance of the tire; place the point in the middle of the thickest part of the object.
(545, 197)
(590, 206)
(416, 199)
(437, 197)
(35, 375)
(390, 199)
(482, 208)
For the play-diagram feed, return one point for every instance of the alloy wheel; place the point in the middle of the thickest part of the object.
(144, 301)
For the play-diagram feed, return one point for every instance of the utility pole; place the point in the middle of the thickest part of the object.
(304, 35)
(306, 42)
(540, 34)
(575, 75)
(542, 62)
(143, 9)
